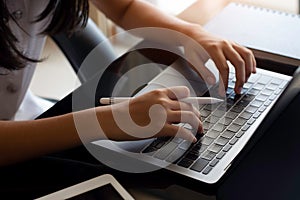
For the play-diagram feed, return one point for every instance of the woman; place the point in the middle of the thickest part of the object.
(21, 41)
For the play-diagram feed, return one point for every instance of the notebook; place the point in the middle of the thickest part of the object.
(270, 34)
(228, 127)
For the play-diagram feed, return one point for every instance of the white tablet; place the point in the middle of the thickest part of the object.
(101, 187)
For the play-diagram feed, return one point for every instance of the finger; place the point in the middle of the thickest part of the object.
(255, 64)
(178, 92)
(177, 131)
(197, 63)
(234, 57)
(221, 63)
(177, 105)
(248, 58)
(186, 117)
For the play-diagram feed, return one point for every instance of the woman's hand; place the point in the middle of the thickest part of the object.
(151, 115)
(221, 51)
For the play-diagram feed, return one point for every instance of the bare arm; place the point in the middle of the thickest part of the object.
(131, 14)
(24, 140)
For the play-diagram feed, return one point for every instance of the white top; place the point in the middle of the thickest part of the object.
(16, 102)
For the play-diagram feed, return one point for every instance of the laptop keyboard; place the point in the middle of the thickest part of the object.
(224, 124)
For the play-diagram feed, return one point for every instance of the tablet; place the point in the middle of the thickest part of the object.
(104, 187)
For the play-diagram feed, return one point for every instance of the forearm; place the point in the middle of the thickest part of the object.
(28, 139)
(132, 14)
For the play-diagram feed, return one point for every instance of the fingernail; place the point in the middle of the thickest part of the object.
(194, 140)
(239, 90)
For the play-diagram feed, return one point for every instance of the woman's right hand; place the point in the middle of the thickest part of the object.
(151, 115)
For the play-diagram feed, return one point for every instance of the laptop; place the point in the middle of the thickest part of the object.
(228, 126)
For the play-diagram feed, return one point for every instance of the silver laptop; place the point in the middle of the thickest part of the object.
(228, 127)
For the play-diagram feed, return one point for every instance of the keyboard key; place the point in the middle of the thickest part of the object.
(212, 120)
(185, 145)
(262, 109)
(237, 109)
(240, 133)
(233, 141)
(251, 109)
(186, 163)
(165, 151)
(206, 140)
(199, 148)
(218, 113)
(234, 128)
(262, 97)
(228, 134)
(267, 92)
(272, 87)
(277, 92)
(257, 103)
(232, 115)
(272, 97)
(240, 121)
(283, 84)
(207, 170)
(205, 113)
(215, 148)
(221, 154)
(248, 97)
(267, 103)
(192, 156)
(212, 134)
(219, 127)
(256, 115)
(264, 80)
(222, 141)
(229, 91)
(253, 91)
(175, 155)
(245, 128)
(246, 115)
(177, 140)
(207, 125)
(225, 121)
(253, 78)
(251, 121)
(259, 86)
(199, 165)
(277, 81)
(247, 85)
(227, 148)
(214, 162)
(208, 155)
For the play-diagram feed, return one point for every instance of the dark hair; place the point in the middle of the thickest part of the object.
(67, 16)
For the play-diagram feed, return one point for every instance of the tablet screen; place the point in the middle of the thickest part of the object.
(105, 192)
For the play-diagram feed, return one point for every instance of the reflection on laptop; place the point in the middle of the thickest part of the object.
(228, 126)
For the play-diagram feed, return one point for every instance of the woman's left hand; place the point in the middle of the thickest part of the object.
(221, 51)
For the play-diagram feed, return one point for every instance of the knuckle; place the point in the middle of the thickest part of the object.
(225, 43)
(158, 92)
(163, 101)
(240, 62)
